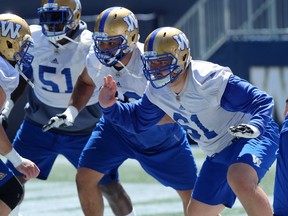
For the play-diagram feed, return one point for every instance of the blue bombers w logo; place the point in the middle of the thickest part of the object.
(182, 41)
(131, 21)
(9, 27)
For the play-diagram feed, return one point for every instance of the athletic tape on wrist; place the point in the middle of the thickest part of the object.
(9, 104)
(71, 111)
(14, 158)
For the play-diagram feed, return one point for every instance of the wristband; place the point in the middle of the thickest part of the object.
(9, 104)
(14, 158)
(71, 112)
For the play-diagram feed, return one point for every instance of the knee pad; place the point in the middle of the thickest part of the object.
(12, 192)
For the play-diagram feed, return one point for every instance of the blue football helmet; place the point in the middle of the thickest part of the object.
(58, 17)
(166, 55)
(14, 44)
(118, 27)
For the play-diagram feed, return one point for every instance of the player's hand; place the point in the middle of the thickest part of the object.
(244, 130)
(60, 120)
(107, 92)
(28, 169)
(64, 119)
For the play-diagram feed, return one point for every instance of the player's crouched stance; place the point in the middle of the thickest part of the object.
(229, 118)
(15, 40)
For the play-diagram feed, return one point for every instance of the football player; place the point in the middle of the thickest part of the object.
(230, 119)
(15, 41)
(280, 202)
(163, 151)
(61, 43)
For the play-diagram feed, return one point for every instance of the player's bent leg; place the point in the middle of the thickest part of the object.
(280, 198)
(185, 196)
(118, 199)
(196, 208)
(5, 210)
(16, 210)
(89, 192)
(11, 193)
(243, 180)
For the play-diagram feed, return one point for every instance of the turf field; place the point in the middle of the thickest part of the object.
(58, 195)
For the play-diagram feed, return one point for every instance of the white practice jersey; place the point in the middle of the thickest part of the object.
(9, 77)
(55, 70)
(197, 108)
(131, 84)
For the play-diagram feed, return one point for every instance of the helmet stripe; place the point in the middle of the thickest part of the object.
(50, 1)
(103, 19)
(152, 38)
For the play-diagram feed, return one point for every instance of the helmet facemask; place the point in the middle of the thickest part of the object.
(166, 56)
(116, 33)
(113, 55)
(22, 58)
(161, 69)
(57, 20)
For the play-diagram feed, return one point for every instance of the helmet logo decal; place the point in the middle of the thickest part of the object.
(131, 21)
(11, 27)
(182, 41)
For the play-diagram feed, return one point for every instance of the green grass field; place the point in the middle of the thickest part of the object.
(58, 195)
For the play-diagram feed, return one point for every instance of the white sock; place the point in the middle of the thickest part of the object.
(132, 213)
(15, 211)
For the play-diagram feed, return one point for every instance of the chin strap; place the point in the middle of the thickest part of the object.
(54, 40)
(128, 71)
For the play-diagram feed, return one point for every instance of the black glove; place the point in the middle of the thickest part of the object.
(244, 130)
(64, 119)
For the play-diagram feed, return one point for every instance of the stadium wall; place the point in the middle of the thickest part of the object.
(263, 63)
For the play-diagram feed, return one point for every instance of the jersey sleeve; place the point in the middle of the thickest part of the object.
(9, 77)
(241, 96)
(210, 80)
(134, 117)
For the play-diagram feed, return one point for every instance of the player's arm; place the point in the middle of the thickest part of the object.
(241, 96)
(5, 145)
(82, 91)
(25, 166)
(134, 117)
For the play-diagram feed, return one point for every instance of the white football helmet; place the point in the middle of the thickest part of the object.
(58, 17)
(166, 55)
(15, 40)
(119, 26)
